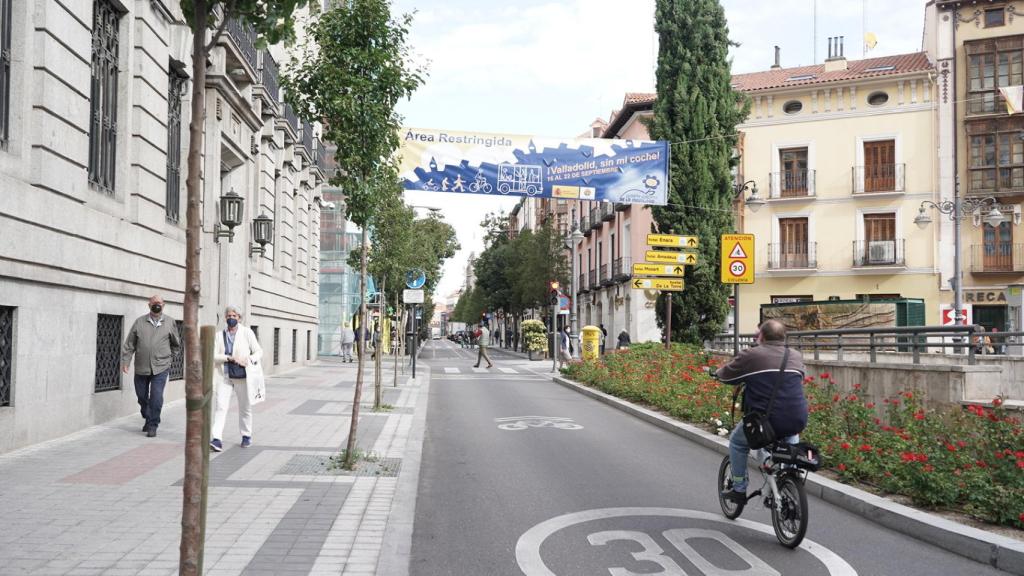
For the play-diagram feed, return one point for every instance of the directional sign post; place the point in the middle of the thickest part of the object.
(737, 268)
(658, 269)
(666, 284)
(688, 258)
(672, 241)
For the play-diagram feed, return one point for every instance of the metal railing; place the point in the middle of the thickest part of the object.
(607, 211)
(605, 278)
(291, 117)
(595, 218)
(997, 258)
(307, 136)
(582, 285)
(320, 155)
(621, 270)
(879, 178)
(791, 184)
(585, 225)
(879, 252)
(244, 36)
(269, 75)
(593, 279)
(792, 256)
(908, 339)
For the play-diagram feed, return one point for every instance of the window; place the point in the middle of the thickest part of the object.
(6, 353)
(995, 17)
(108, 352)
(800, 77)
(880, 166)
(793, 245)
(175, 86)
(5, 73)
(309, 336)
(878, 98)
(277, 346)
(794, 171)
(178, 362)
(792, 107)
(879, 246)
(881, 68)
(295, 346)
(998, 248)
(996, 160)
(992, 64)
(103, 103)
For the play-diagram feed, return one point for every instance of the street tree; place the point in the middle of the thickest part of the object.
(350, 75)
(697, 110)
(273, 22)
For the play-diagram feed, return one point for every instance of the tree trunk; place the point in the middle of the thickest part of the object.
(350, 447)
(398, 339)
(191, 550)
(378, 353)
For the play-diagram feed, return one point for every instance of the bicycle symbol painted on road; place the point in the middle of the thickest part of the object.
(524, 422)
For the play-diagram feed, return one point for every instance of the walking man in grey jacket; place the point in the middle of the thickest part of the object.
(154, 342)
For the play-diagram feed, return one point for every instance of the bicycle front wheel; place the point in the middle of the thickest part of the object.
(789, 515)
(731, 509)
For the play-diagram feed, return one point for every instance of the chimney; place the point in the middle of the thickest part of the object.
(776, 65)
(836, 58)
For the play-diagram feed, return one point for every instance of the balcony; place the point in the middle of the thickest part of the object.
(791, 184)
(244, 36)
(793, 256)
(306, 138)
(997, 258)
(879, 178)
(621, 270)
(585, 226)
(593, 279)
(607, 211)
(269, 76)
(582, 286)
(595, 219)
(879, 252)
(320, 155)
(292, 119)
(621, 207)
(606, 279)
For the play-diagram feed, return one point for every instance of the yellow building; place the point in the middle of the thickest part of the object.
(978, 47)
(843, 153)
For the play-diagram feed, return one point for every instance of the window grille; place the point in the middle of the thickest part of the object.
(175, 87)
(5, 70)
(103, 103)
(108, 352)
(277, 346)
(178, 362)
(295, 346)
(6, 353)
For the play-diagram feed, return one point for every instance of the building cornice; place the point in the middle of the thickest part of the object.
(236, 101)
(825, 116)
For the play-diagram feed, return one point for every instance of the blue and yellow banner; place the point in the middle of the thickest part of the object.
(625, 171)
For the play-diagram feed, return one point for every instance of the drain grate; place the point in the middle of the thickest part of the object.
(313, 465)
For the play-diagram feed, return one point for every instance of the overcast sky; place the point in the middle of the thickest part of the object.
(549, 67)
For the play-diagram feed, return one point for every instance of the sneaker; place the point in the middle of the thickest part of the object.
(145, 427)
(246, 441)
(216, 446)
(734, 496)
(151, 433)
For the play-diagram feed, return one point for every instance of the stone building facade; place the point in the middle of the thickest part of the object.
(94, 114)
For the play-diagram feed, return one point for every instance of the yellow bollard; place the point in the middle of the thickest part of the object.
(591, 342)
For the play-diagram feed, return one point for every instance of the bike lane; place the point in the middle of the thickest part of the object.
(522, 476)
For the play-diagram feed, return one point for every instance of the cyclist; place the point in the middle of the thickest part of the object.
(758, 369)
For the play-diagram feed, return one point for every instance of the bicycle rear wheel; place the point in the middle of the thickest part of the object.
(732, 510)
(789, 516)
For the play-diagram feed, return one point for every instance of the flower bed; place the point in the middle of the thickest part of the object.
(970, 460)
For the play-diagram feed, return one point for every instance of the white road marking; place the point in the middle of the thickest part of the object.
(508, 370)
(450, 370)
(524, 422)
(532, 564)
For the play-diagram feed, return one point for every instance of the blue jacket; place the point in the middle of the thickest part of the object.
(758, 368)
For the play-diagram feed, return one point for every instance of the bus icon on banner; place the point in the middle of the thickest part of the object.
(520, 179)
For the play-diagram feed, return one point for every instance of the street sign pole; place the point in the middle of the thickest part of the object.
(415, 341)
(554, 336)
(668, 320)
(735, 319)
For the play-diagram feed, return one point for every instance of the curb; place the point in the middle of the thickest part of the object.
(998, 551)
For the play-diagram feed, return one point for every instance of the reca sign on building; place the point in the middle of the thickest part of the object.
(624, 171)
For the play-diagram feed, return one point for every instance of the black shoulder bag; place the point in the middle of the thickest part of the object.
(234, 370)
(757, 426)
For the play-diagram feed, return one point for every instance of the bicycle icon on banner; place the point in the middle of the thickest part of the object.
(524, 422)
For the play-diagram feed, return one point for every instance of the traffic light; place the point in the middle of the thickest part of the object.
(554, 292)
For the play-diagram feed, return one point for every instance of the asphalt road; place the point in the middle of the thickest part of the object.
(581, 489)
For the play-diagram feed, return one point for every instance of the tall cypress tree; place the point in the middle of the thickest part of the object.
(698, 111)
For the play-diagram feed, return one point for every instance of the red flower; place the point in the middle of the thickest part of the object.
(852, 398)
(908, 395)
(835, 398)
(842, 468)
(950, 447)
(869, 405)
(919, 415)
(824, 375)
(845, 445)
(865, 448)
(856, 386)
(961, 443)
(928, 468)
(1020, 464)
(1021, 517)
(997, 401)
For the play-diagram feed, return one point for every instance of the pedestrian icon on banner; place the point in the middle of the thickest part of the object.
(737, 252)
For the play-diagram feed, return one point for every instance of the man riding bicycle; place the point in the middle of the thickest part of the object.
(758, 368)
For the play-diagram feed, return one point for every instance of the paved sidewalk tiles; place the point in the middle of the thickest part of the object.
(107, 500)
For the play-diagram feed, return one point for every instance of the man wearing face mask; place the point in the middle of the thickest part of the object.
(154, 342)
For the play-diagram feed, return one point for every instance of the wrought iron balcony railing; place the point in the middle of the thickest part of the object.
(595, 218)
(582, 286)
(997, 258)
(792, 184)
(789, 256)
(879, 252)
(593, 279)
(292, 118)
(621, 270)
(269, 75)
(244, 36)
(585, 225)
(307, 136)
(879, 178)
(606, 279)
(607, 211)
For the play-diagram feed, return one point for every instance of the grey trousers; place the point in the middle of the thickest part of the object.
(482, 354)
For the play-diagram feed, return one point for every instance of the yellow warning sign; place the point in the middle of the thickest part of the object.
(737, 259)
(666, 284)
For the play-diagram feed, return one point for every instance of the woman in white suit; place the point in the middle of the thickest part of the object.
(237, 370)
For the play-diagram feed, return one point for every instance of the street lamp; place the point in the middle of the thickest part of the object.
(574, 239)
(957, 209)
(262, 233)
(230, 216)
(754, 202)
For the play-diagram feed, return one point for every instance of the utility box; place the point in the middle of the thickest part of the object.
(591, 343)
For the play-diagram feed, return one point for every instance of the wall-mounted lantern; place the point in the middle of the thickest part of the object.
(262, 233)
(230, 216)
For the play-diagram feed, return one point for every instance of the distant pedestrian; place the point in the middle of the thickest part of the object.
(154, 341)
(624, 342)
(348, 338)
(237, 354)
(604, 337)
(483, 336)
(361, 336)
(998, 344)
(376, 342)
(564, 347)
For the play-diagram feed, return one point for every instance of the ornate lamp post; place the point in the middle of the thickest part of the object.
(754, 202)
(957, 209)
(573, 241)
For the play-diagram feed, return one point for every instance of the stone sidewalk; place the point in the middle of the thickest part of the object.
(107, 500)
